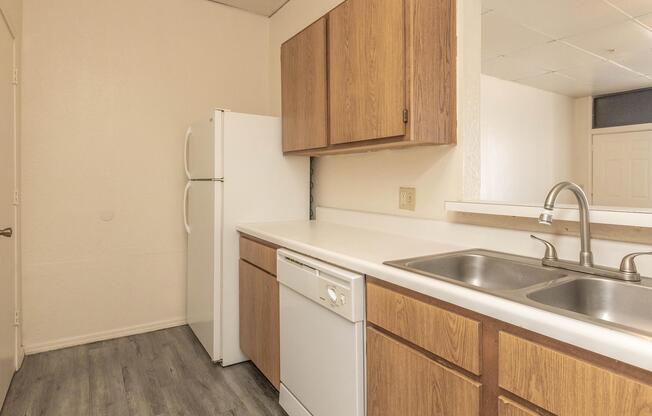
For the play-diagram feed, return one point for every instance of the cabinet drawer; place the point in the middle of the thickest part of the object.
(507, 407)
(402, 381)
(567, 386)
(258, 254)
(259, 320)
(452, 337)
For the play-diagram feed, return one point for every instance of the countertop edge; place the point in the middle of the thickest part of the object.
(628, 348)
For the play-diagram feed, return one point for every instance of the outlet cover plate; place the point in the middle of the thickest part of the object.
(407, 198)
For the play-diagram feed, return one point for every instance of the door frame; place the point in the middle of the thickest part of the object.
(19, 353)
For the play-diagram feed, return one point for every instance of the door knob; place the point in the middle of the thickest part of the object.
(7, 232)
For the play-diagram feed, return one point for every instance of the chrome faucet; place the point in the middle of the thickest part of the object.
(627, 270)
(586, 256)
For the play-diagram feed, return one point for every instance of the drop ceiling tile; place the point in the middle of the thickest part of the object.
(638, 61)
(615, 40)
(510, 69)
(646, 19)
(642, 82)
(634, 7)
(262, 7)
(501, 36)
(488, 5)
(556, 55)
(561, 18)
(559, 84)
(606, 77)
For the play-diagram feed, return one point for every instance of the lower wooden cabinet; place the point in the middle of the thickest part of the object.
(507, 407)
(259, 320)
(565, 385)
(420, 363)
(401, 381)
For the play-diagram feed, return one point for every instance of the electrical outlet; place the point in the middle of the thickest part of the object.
(407, 198)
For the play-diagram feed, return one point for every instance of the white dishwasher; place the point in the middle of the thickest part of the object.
(322, 338)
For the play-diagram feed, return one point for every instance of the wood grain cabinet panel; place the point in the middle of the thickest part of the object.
(402, 381)
(448, 335)
(432, 47)
(507, 407)
(258, 254)
(304, 89)
(367, 70)
(565, 385)
(371, 75)
(259, 320)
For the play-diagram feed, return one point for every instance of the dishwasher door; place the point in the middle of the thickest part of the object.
(322, 341)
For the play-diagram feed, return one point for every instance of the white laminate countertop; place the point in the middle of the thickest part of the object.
(364, 251)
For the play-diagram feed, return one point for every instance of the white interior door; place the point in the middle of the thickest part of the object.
(622, 169)
(7, 291)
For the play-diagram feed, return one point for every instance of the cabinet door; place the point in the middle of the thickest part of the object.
(367, 70)
(507, 407)
(259, 320)
(402, 381)
(565, 385)
(304, 89)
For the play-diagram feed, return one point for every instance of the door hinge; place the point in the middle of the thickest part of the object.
(405, 116)
(15, 77)
(16, 198)
(17, 318)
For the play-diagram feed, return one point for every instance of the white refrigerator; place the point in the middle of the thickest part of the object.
(237, 173)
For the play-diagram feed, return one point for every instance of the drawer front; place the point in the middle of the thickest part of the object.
(507, 407)
(565, 385)
(258, 254)
(452, 337)
(402, 381)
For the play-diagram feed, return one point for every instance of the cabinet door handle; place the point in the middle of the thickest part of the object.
(7, 232)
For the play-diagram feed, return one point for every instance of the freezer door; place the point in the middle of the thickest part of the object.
(203, 151)
(204, 263)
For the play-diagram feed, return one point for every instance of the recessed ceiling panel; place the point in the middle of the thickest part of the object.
(556, 55)
(567, 47)
(559, 83)
(634, 8)
(510, 69)
(615, 40)
(262, 7)
(561, 18)
(501, 36)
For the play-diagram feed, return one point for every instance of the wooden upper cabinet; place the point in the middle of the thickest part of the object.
(304, 89)
(370, 75)
(367, 70)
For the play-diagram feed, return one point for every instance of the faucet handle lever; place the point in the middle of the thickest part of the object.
(628, 265)
(551, 252)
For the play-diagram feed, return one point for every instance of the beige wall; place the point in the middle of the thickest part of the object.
(109, 88)
(371, 181)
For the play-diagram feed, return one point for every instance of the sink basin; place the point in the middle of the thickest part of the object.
(620, 303)
(486, 270)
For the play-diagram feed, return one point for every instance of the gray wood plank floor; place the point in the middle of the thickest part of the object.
(160, 373)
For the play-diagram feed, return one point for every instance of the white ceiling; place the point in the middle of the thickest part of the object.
(263, 7)
(572, 47)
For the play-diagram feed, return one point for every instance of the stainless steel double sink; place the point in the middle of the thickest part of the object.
(606, 302)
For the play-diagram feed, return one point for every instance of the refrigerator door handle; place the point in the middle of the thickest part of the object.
(185, 207)
(185, 152)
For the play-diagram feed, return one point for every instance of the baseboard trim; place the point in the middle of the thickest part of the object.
(101, 336)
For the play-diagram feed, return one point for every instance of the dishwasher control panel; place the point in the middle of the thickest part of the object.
(334, 295)
(336, 289)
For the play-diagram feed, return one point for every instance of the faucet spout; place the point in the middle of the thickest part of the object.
(586, 256)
